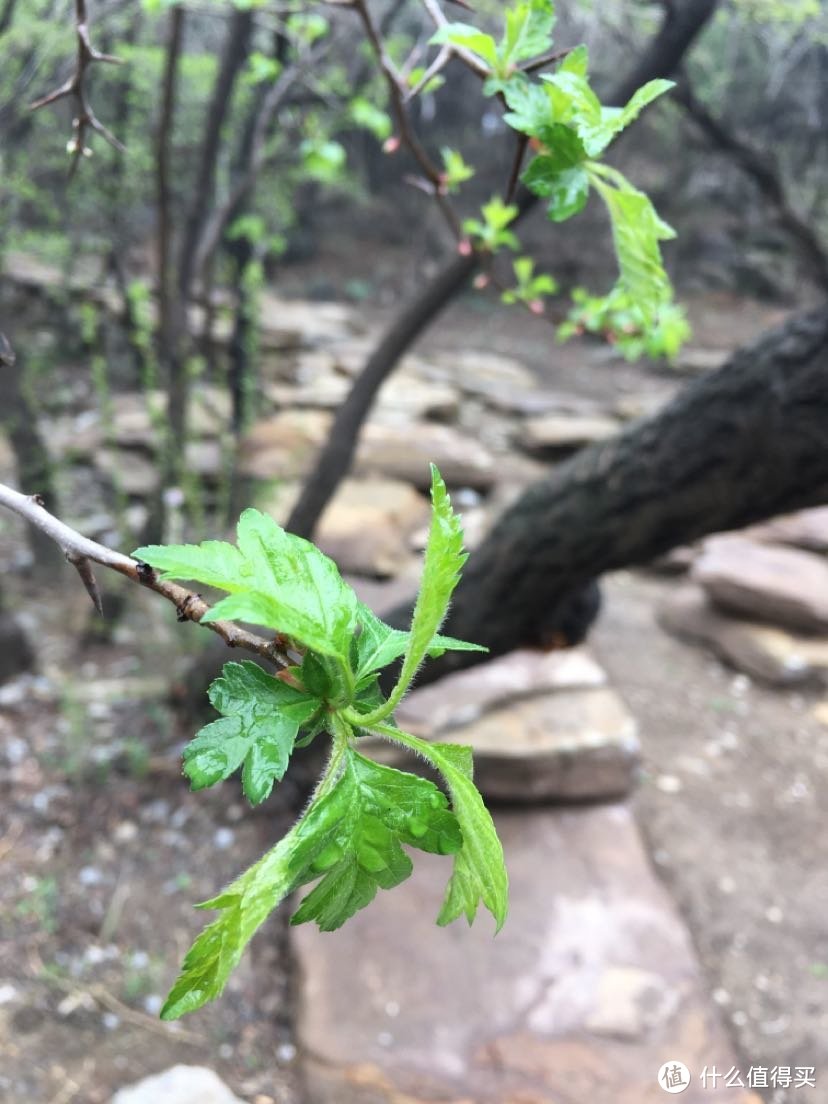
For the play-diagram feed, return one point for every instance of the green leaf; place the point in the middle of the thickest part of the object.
(351, 837)
(576, 61)
(261, 717)
(455, 170)
(378, 644)
(245, 904)
(636, 230)
(529, 103)
(615, 119)
(323, 159)
(528, 31)
(368, 116)
(444, 558)
(380, 809)
(479, 869)
(575, 103)
(559, 174)
(468, 38)
(274, 579)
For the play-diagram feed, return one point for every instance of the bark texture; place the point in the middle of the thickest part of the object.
(745, 443)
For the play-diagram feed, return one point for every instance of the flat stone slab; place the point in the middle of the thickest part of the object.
(766, 653)
(462, 697)
(178, 1085)
(589, 989)
(406, 451)
(556, 434)
(806, 529)
(785, 586)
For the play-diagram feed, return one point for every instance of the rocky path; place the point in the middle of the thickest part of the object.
(681, 924)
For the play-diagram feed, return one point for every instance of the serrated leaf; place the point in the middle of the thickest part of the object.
(530, 108)
(444, 558)
(527, 31)
(261, 718)
(636, 230)
(378, 644)
(479, 869)
(558, 174)
(382, 808)
(614, 119)
(576, 61)
(274, 579)
(352, 838)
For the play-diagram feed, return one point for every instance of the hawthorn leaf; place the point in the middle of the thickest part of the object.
(260, 722)
(469, 38)
(214, 563)
(636, 230)
(273, 579)
(352, 837)
(378, 644)
(444, 557)
(479, 869)
(381, 808)
(528, 31)
(616, 119)
(530, 107)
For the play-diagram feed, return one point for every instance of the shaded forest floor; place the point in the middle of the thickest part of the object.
(104, 848)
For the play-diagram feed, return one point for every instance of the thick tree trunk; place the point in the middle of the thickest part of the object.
(681, 26)
(742, 444)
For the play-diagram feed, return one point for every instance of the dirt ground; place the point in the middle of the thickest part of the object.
(104, 849)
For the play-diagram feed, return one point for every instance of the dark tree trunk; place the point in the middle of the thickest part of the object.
(742, 444)
(19, 418)
(681, 26)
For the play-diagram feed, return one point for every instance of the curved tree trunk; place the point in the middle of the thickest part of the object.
(745, 443)
(681, 26)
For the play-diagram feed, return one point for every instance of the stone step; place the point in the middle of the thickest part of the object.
(589, 989)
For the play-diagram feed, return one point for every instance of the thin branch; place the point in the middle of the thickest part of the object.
(74, 87)
(162, 171)
(256, 161)
(762, 168)
(397, 90)
(82, 553)
(514, 173)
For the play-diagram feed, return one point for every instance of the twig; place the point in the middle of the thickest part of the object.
(82, 553)
(257, 160)
(514, 172)
(74, 87)
(408, 137)
(101, 995)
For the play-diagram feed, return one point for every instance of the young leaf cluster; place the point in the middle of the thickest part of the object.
(568, 129)
(617, 319)
(350, 840)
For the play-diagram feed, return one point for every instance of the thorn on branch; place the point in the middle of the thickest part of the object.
(84, 569)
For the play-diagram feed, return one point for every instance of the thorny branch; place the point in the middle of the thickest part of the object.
(399, 100)
(74, 87)
(82, 553)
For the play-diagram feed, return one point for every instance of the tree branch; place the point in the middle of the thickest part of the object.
(82, 553)
(74, 87)
(660, 59)
(762, 168)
